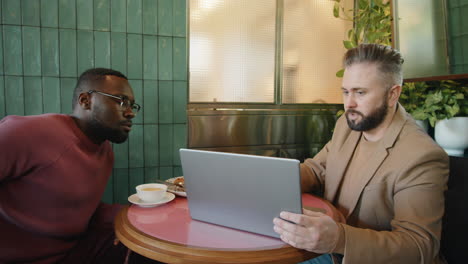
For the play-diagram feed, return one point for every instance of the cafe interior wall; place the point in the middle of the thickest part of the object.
(46, 44)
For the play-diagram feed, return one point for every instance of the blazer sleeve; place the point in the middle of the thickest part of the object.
(313, 171)
(418, 199)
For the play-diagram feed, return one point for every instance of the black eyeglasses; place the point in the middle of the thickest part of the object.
(124, 102)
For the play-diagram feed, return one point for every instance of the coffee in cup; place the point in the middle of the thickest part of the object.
(151, 192)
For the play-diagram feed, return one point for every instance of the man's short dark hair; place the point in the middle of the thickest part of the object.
(389, 60)
(89, 78)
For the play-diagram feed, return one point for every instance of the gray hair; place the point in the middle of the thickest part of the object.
(389, 60)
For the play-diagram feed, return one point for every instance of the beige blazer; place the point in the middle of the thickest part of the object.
(396, 212)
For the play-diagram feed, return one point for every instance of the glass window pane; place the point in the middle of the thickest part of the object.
(232, 50)
(421, 37)
(312, 51)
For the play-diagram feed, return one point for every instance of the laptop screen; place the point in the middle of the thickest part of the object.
(240, 191)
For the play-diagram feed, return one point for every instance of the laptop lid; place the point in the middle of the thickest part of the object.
(240, 191)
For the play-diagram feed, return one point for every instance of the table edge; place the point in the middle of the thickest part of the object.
(171, 252)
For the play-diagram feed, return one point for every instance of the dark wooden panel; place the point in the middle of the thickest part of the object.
(455, 229)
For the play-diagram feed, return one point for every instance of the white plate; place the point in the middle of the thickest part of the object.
(134, 199)
(171, 180)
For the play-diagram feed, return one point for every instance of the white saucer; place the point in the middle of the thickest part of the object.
(134, 199)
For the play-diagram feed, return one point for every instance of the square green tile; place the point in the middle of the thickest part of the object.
(180, 102)
(120, 155)
(32, 51)
(14, 95)
(454, 22)
(177, 171)
(151, 141)
(84, 10)
(165, 58)
(67, 86)
(136, 177)
(150, 102)
(108, 196)
(11, 12)
(150, 57)
(51, 94)
(2, 97)
(136, 147)
(457, 49)
(166, 173)
(464, 59)
(180, 141)
(463, 19)
(31, 12)
(121, 181)
(166, 99)
(166, 145)
(165, 17)
(1, 49)
(33, 95)
(134, 13)
(119, 52)
(119, 15)
(179, 18)
(102, 15)
(137, 87)
(151, 174)
(67, 13)
(102, 49)
(49, 13)
(179, 54)
(85, 50)
(12, 42)
(135, 59)
(150, 17)
(68, 64)
(50, 51)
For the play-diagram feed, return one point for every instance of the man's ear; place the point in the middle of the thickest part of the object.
(393, 95)
(84, 101)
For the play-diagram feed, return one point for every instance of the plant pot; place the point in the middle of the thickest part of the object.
(423, 124)
(452, 135)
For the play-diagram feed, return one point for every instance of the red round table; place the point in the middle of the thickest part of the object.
(167, 233)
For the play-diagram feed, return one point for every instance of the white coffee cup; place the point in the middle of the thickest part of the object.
(151, 192)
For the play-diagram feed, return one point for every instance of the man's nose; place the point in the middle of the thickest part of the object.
(350, 102)
(128, 113)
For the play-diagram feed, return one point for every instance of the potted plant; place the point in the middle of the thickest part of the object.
(372, 23)
(447, 109)
(413, 96)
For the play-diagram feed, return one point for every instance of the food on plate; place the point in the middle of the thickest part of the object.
(179, 181)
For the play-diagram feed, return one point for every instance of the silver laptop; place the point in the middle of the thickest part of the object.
(240, 191)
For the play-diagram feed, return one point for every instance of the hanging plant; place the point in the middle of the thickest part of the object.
(372, 23)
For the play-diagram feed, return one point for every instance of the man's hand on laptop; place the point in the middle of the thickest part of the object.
(312, 231)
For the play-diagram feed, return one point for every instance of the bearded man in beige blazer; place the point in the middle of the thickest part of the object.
(380, 170)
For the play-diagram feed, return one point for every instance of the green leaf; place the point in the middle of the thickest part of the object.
(432, 121)
(340, 73)
(348, 44)
(336, 10)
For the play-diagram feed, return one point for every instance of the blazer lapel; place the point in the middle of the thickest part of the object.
(366, 174)
(338, 165)
(388, 141)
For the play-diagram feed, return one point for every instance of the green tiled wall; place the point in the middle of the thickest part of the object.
(46, 44)
(458, 35)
